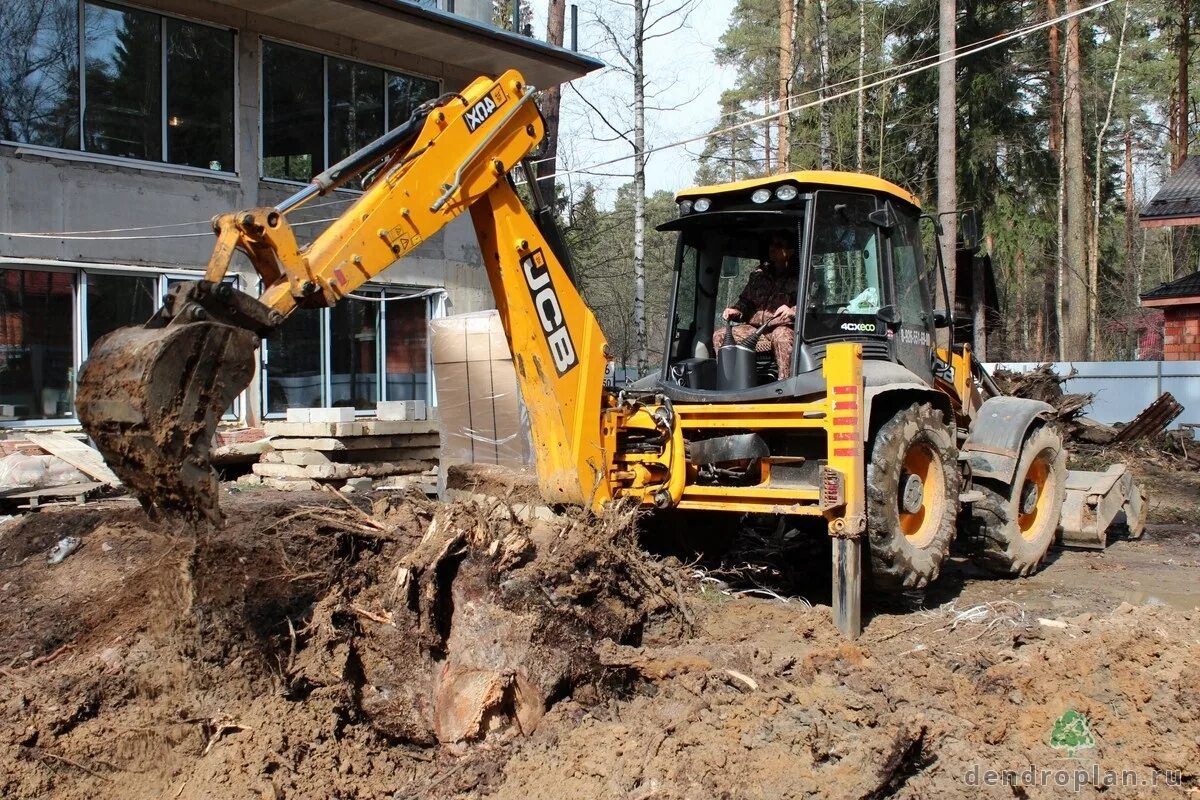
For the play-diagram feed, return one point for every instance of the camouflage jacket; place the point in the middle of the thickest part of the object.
(766, 292)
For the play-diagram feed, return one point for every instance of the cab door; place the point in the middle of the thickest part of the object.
(914, 336)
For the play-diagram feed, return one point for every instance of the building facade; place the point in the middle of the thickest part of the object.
(125, 127)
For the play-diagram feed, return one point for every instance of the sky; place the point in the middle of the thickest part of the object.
(680, 67)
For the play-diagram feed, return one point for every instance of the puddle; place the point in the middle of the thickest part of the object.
(1183, 601)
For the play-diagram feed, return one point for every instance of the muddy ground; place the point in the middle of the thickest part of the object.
(402, 649)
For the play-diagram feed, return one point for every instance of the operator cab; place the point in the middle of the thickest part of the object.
(861, 276)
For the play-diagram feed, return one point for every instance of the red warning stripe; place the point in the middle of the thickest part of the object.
(845, 421)
(845, 436)
(845, 390)
(845, 405)
(845, 452)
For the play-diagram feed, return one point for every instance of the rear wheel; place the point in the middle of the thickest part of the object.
(1015, 523)
(912, 498)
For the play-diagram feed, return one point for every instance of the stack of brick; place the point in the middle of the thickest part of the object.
(329, 446)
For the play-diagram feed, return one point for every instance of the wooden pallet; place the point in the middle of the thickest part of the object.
(52, 495)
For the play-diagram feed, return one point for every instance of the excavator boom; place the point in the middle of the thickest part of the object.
(151, 396)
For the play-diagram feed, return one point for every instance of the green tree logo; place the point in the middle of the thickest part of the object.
(1072, 732)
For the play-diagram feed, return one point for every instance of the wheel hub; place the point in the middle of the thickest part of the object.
(912, 495)
(1029, 497)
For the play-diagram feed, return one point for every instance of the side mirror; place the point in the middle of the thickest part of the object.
(968, 230)
(941, 318)
(888, 315)
(883, 217)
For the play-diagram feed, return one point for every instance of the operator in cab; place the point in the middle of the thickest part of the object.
(769, 297)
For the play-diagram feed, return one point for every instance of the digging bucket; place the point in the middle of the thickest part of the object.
(151, 398)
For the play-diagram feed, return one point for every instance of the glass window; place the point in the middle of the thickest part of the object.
(405, 93)
(353, 345)
(37, 359)
(114, 301)
(911, 297)
(355, 107)
(310, 101)
(844, 274)
(406, 351)
(293, 139)
(293, 372)
(199, 95)
(39, 72)
(123, 75)
(125, 54)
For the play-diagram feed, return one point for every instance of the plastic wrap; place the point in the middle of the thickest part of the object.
(482, 418)
(19, 471)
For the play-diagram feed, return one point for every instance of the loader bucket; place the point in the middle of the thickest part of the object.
(151, 398)
(1092, 503)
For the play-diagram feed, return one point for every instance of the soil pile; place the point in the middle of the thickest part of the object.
(314, 650)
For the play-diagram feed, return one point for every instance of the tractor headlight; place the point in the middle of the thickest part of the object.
(761, 195)
(786, 192)
(685, 207)
(702, 205)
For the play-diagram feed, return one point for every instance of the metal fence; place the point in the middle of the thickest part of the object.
(1124, 388)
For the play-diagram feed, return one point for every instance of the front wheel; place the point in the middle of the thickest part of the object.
(912, 498)
(1015, 523)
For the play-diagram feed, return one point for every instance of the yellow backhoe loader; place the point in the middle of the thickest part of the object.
(874, 429)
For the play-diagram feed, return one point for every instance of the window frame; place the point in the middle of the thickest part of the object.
(82, 154)
(79, 344)
(433, 310)
(264, 40)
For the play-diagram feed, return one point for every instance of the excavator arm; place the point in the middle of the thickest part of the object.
(151, 396)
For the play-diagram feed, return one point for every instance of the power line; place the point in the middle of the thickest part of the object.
(942, 59)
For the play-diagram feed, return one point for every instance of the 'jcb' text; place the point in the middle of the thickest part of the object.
(549, 312)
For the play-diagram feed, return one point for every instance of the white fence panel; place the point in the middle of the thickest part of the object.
(1124, 388)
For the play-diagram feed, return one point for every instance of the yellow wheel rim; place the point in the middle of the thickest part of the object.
(919, 523)
(1029, 510)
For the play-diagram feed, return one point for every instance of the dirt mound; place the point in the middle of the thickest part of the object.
(303, 652)
(316, 650)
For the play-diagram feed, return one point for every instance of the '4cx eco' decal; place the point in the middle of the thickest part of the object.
(549, 312)
(480, 112)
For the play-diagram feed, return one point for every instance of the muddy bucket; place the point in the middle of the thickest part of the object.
(151, 399)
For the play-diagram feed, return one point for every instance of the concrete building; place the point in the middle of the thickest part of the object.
(186, 108)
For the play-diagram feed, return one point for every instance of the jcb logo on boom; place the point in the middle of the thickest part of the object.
(549, 312)
(480, 112)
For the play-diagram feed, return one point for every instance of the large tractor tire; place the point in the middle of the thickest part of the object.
(912, 498)
(1015, 523)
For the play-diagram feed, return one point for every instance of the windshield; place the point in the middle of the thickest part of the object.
(717, 265)
(845, 288)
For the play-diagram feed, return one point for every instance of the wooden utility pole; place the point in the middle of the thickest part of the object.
(1074, 290)
(947, 163)
(787, 39)
(825, 111)
(550, 103)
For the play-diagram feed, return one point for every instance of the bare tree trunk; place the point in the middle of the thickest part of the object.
(1179, 236)
(1053, 282)
(639, 186)
(787, 38)
(1075, 286)
(825, 112)
(1131, 266)
(883, 95)
(947, 164)
(767, 162)
(550, 103)
(1094, 245)
(1022, 314)
(1181, 138)
(862, 64)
